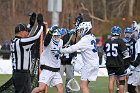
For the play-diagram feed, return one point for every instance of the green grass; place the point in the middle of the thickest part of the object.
(98, 86)
(4, 78)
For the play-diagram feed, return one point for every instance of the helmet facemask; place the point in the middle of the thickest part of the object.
(56, 37)
(84, 28)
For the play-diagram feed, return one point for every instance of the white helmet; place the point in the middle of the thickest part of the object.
(55, 39)
(57, 33)
(134, 26)
(85, 26)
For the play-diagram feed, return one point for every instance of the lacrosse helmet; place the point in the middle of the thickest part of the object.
(115, 31)
(128, 33)
(128, 30)
(84, 27)
(134, 25)
(56, 37)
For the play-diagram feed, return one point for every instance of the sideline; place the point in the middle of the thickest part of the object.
(6, 68)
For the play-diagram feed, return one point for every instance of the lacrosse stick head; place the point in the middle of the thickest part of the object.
(73, 85)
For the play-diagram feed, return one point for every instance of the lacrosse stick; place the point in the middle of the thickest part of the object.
(73, 85)
(77, 65)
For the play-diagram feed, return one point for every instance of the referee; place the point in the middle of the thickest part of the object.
(21, 53)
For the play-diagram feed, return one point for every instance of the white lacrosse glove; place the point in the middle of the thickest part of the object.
(130, 70)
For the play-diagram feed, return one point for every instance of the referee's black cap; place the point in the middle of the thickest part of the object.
(21, 27)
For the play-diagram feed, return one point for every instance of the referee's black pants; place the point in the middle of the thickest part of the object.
(22, 82)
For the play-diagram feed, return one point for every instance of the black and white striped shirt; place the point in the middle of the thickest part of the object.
(21, 50)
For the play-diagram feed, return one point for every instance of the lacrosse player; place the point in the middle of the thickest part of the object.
(117, 59)
(50, 62)
(130, 43)
(135, 78)
(87, 45)
(66, 59)
(21, 53)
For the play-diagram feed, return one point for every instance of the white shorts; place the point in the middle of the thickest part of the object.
(89, 73)
(134, 79)
(50, 78)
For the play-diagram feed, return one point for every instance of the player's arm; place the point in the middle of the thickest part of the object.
(31, 22)
(49, 35)
(65, 38)
(126, 56)
(81, 45)
(37, 33)
(47, 39)
(137, 62)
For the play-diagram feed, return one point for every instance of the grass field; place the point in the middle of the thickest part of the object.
(99, 86)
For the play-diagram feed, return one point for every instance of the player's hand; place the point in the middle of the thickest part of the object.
(40, 19)
(129, 70)
(71, 31)
(53, 29)
(32, 19)
(63, 31)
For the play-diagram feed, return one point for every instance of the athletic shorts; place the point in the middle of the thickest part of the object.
(89, 73)
(117, 71)
(50, 78)
(134, 79)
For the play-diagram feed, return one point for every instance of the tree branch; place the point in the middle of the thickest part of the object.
(92, 16)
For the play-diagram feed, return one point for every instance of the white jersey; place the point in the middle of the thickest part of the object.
(137, 48)
(87, 46)
(48, 57)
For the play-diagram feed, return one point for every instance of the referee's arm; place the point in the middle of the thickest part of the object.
(33, 38)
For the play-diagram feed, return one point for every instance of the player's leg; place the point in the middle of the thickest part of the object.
(117, 85)
(121, 84)
(59, 88)
(57, 82)
(46, 89)
(126, 84)
(84, 86)
(131, 88)
(44, 80)
(62, 70)
(69, 75)
(111, 83)
(41, 87)
(120, 72)
(138, 88)
(112, 79)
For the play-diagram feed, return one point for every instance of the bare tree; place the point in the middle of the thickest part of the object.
(92, 16)
(131, 7)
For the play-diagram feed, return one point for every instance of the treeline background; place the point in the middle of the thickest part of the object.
(103, 13)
